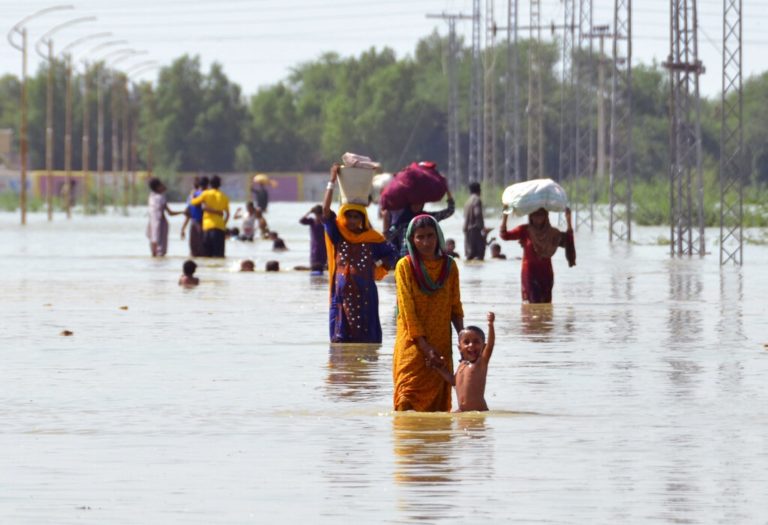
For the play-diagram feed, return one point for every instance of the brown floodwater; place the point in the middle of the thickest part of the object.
(638, 396)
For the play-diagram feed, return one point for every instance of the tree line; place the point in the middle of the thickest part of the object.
(391, 108)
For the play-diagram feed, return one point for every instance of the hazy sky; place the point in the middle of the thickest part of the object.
(259, 41)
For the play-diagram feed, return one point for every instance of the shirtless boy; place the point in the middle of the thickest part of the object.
(469, 379)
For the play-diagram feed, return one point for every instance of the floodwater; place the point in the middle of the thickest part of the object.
(639, 396)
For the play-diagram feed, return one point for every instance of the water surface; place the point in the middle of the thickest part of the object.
(638, 396)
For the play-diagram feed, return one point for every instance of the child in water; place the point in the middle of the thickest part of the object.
(450, 248)
(469, 379)
(278, 245)
(188, 278)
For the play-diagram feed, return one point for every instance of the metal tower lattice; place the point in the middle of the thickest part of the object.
(535, 104)
(567, 109)
(489, 96)
(620, 207)
(686, 178)
(512, 99)
(454, 162)
(731, 139)
(475, 167)
(582, 191)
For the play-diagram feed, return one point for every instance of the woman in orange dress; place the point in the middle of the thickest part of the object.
(428, 302)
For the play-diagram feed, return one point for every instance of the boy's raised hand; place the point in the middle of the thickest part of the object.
(491, 339)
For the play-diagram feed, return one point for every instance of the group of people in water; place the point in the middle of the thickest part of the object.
(427, 283)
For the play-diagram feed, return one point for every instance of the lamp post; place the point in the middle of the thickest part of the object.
(125, 135)
(100, 117)
(20, 30)
(136, 69)
(86, 133)
(120, 102)
(47, 40)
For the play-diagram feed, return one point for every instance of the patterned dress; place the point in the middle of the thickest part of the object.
(354, 306)
(416, 386)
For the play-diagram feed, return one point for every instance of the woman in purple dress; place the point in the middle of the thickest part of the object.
(358, 256)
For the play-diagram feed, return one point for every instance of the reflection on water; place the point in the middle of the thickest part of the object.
(425, 454)
(639, 395)
(423, 448)
(537, 321)
(352, 371)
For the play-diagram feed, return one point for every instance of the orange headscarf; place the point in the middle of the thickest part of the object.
(367, 235)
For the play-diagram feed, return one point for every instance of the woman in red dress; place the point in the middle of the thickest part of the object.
(540, 241)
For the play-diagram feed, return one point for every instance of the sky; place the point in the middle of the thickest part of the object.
(258, 42)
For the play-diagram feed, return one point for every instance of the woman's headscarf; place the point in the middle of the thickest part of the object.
(427, 285)
(367, 235)
(545, 238)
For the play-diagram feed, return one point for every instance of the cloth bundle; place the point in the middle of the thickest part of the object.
(524, 198)
(418, 183)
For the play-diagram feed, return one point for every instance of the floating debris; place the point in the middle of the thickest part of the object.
(123, 307)
(67, 333)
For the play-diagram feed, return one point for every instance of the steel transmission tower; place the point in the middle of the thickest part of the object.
(454, 163)
(584, 180)
(620, 215)
(731, 139)
(512, 99)
(489, 96)
(475, 167)
(535, 104)
(686, 180)
(567, 110)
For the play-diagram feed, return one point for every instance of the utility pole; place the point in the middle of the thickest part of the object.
(454, 164)
(20, 30)
(115, 142)
(68, 137)
(535, 104)
(125, 142)
(601, 32)
(620, 207)
(475, 168)
(584, 158)
(565, 158)
(489, 96)
(86, 144)
(512, 99)
(47, 40)
(686, 200)
(732, 139)
(100, 139)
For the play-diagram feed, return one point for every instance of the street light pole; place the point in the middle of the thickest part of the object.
(85, 185)
(20, 30)
(48, 41)
(100, 118)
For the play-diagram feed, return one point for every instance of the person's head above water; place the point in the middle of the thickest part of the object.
(272, 266)
(189, 267)
(247, 266)
(471, 343)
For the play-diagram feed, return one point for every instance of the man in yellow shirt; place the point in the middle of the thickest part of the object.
(215, 216)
